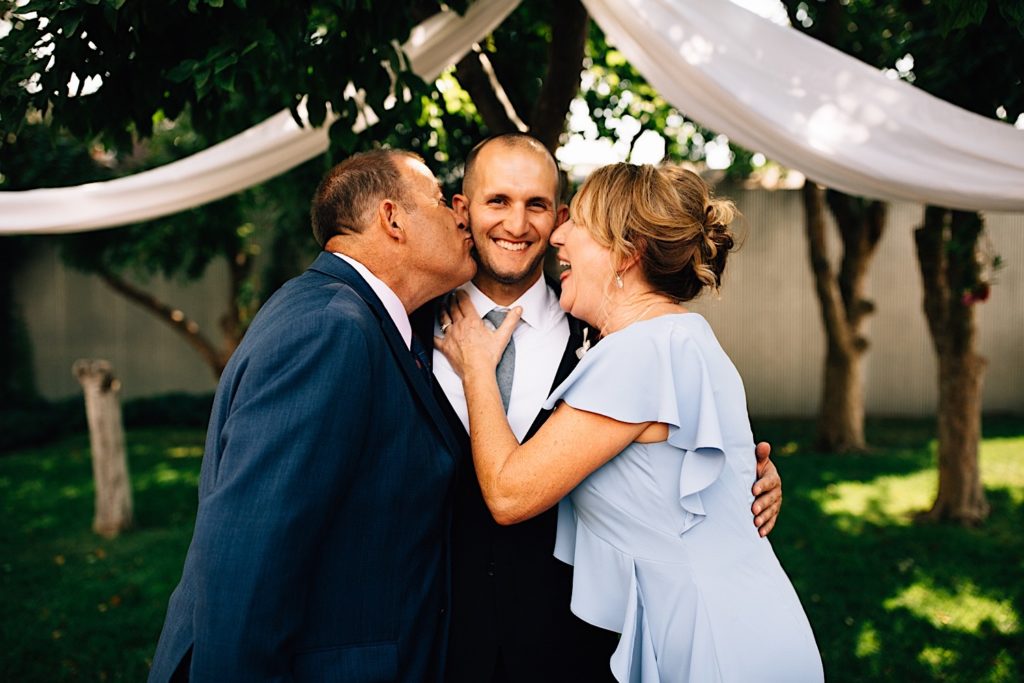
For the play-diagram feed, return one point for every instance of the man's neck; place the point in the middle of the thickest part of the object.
(505, 294)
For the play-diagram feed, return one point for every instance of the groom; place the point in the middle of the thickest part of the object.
(510, 596)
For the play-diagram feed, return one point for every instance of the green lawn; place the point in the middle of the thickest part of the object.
(888, 600)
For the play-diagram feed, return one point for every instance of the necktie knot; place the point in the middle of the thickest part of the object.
(496, 317)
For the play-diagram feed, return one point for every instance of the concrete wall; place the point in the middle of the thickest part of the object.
(70, 315)
(767, 318)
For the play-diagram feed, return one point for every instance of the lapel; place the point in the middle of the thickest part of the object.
(568, 362)
(332, 266)
(422, 320)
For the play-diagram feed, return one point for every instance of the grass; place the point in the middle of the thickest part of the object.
(888, 599)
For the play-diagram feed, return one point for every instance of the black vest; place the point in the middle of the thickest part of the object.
(510, 596)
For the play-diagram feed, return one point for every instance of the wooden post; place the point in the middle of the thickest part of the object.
(106, 439)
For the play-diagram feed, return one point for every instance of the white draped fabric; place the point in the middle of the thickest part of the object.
(808, 106)
(768, 87)
(253, 156)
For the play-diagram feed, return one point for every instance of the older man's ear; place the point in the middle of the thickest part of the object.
(390, 218)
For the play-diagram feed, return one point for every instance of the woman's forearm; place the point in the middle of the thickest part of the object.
(493, 446)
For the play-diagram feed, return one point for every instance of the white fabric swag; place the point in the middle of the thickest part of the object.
(251, 157)
(768, 87)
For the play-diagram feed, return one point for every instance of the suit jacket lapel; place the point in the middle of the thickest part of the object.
(422, 321)
(331, 265)
(568, 362)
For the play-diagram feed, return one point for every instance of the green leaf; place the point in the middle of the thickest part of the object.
(202, 82)
(182, 71)
(224, 62)
(68, 23)
(225, 80)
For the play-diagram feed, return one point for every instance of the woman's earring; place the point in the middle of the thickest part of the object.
(618, 280)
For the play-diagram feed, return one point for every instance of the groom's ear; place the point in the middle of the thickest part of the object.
(460, 204)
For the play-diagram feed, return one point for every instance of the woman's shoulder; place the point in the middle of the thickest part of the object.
(671, 330)
(639, 363)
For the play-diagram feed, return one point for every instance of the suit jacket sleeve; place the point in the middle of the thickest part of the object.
(294, 428)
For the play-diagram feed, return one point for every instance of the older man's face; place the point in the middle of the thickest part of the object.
(441, 244)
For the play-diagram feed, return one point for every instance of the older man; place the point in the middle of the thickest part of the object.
(510, 596)
(320, 548)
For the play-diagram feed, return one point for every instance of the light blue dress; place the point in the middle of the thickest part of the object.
(661, 537)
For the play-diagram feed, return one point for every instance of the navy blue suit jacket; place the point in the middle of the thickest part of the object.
(321, 542)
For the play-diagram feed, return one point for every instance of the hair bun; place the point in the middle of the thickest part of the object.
(718, 215)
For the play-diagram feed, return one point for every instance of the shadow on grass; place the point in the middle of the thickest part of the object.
(893, 600)
(81, 607)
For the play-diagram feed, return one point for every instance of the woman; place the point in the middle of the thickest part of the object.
(650, 445)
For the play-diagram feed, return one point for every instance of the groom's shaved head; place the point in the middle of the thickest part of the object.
(518, 141)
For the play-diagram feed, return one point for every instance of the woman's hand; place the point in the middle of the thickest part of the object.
(467, 342)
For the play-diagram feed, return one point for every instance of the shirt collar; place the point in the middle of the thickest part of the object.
(540, 305)
(392, 304)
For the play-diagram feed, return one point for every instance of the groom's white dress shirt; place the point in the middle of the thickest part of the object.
(540, 339)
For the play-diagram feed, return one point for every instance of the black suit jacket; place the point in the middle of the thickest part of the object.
(510, 596)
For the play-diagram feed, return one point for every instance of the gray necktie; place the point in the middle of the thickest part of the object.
(507, 364)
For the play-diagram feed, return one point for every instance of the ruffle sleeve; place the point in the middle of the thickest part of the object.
(656, 373)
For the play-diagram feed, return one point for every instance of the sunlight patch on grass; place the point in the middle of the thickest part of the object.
(964, 610)
(1002, 466)
(185, 452)
(868, 642)
(938, 659)
(71, 492)
(162, 474)
(791, 448)
(886, 500)
(1003, 669)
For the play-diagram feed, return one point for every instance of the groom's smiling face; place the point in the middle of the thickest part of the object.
(511, 204)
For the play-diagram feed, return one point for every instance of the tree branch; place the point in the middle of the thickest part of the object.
(474, 79)
(186, 327)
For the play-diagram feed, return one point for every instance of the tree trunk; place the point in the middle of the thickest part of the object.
(844, 307)
(946, 250)
(106, 440)
(569, 27)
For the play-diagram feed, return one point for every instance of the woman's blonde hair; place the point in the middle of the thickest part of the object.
(666, 216)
